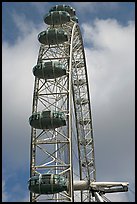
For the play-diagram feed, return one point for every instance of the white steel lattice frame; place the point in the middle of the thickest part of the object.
(51, 150)
(83, 114)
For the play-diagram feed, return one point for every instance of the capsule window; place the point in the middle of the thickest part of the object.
(55, 115)
(62, 115)
(34, 117)
(32, 182)
(36, 182)
(37, 116)
(39, 66)
(45, 181)
(55, 180)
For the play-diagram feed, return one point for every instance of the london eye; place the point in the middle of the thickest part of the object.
(62, 159)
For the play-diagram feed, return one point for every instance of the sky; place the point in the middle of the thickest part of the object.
(108, 31)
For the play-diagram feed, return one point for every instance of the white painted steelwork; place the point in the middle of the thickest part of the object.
(67, 150)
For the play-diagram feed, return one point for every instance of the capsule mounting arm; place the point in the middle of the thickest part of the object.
(109, 187)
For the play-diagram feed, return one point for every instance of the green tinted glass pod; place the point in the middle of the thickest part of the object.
(53, 36)
(66, 8)
(47, 184)
(49, 70)
(57, 18)
(47, 120)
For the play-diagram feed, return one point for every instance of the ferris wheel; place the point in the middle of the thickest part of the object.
(62, 161)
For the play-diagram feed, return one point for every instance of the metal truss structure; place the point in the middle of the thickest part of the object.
(66, 150)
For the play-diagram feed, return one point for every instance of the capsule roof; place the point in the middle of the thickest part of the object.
(63, 7)
(56, 17)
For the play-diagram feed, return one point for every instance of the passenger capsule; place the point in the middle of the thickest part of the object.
(57, 18)
(53, 36)
(47, 120)
(49, 70)
(68, 9)
(47, 184)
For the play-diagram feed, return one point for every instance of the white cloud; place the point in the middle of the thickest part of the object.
(109, 34)
(19, 194)
(118, 197)
(111, 78)
(40, 6)
(4, 193)
(111, 71)
(20, 20)
(110, 56)
(92, 7)
(25, 199)
(17, 84)
(16, 193)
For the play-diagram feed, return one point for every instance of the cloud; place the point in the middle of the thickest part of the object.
(4, 193)
(118, 197)
(104, 33)
(20, 20)
(25, 199)
(16, 194)
(110, 44)
(93, 7)
(17, 83)
(111, 71)
(110, 61)
(41, 7)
